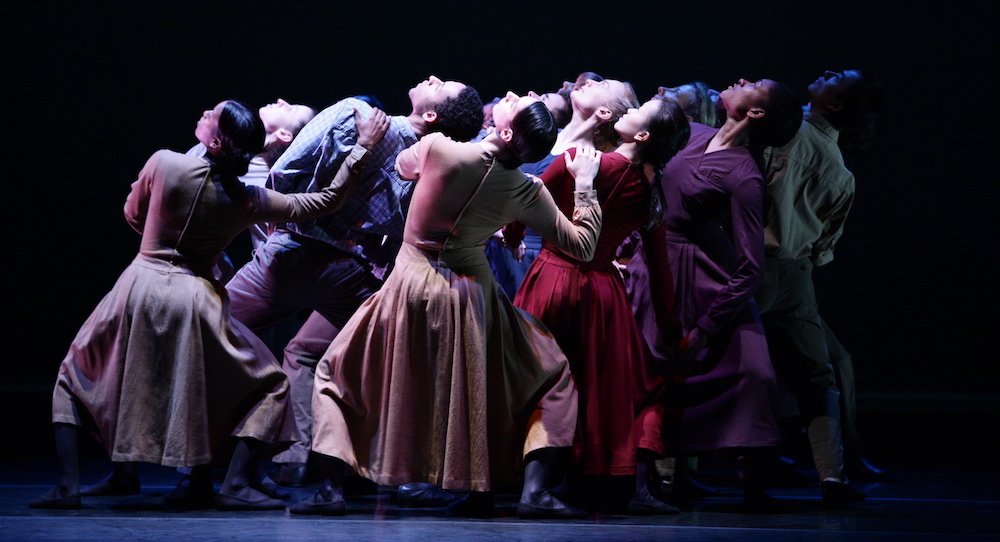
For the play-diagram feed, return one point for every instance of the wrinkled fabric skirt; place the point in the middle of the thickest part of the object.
(438, 378)
(161, 373)
(638, 290)
(588, 312)
(733, 402)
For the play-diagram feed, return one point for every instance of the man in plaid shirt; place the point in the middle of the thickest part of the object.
(332, 264)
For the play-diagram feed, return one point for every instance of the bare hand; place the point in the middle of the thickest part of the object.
(622, 268)
(518, 251)
(372, 129)
(692, 345)
(584, 166)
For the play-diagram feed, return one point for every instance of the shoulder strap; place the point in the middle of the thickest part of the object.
(451, 230)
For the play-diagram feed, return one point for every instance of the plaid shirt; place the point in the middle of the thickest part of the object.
(370, 224)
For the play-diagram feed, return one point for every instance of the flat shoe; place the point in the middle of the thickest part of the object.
(249, 498)
(423, 495)
(549, 507)
(530, 511)
(316, 505)
(62, 503)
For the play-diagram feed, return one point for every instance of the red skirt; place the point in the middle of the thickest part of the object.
(585, 306)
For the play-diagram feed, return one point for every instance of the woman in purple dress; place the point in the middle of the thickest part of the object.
(721, 395)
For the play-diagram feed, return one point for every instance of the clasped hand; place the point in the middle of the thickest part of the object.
(584, 166)
(372, 129)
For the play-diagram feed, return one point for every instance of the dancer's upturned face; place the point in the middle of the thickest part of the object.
(508, 107)
(207, 130)
(432, 91)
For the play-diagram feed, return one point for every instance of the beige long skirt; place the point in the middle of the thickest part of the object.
(438, 378)
(161, 373)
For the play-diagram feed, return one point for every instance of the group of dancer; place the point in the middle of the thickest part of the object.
(626, 333)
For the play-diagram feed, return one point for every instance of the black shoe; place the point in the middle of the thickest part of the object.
(650, 507)
(478, 504)
(291, 475)
(317, 505)
(248, 498)
(835, 493)
(423, 495)
(51, 501)
(191, 495)
(545, 506)
(862, 469)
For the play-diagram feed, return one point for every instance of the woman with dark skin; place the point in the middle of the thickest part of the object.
(722, 389)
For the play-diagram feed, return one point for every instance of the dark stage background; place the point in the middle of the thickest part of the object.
(94, 90)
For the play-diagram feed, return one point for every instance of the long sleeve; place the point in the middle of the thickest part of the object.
(833, 219)
(746, 205)
(513, 233)
(275, 206)
(137, 204)
(578, 237)
(628, 246)
(553, 178)
(316, 153)
(137, 201)
(810, 193)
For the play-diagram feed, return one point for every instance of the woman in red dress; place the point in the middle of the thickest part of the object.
(585, 306)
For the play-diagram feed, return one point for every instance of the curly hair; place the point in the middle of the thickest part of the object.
(461, 117)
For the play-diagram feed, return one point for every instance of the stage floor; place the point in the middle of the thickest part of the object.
(944, 485)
